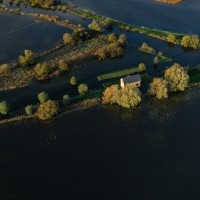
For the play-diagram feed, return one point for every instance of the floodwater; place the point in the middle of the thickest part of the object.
(106, 152)
(18, 33)
(181, 17)
(151, 152)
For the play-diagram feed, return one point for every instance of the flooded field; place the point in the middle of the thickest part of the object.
(150, 152)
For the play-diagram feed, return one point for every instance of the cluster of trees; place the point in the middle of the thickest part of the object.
(99, 26)
(175, 79)
(113, 49)
(127, 97)
(77, 36)
(187, 41)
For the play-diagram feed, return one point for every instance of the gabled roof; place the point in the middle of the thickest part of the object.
(132, 79)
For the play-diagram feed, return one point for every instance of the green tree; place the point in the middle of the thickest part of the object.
(82, 89)
(158, 88)
(47, 110)
(43, 97)
(4, 108)
(29, 110)
(176, 77)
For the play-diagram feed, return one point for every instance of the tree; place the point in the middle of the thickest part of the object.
(127, 97)
(130, 96)
(68, 38)
(122, 39)
(28, 58)
(42, 69)
(82, 89)
(47, 110)
(158, 88)
(171, 38)
(29, 110)
(73, 80)
(176, 77)
(4, 108)
(142, 67)
(112, 38)
(113, 50)
(111, 94)
(4, 69)
(96, 26)
(63, 65)
(108, 22)
(190, 41)
(66, 100)
(43, 97)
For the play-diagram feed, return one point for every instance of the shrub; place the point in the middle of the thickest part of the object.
(73, 80)
(28, 58)
(176, 77)
(158, 88)
(29, 110)
(43, 97)
(142, 67)
(82, 89)
(47, 110)
(42, 69)
(66, 100)
(63, 65)
(4, 108)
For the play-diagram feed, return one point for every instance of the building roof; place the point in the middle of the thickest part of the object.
(132, 79)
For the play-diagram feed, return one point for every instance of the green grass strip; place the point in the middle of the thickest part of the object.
(118, 74)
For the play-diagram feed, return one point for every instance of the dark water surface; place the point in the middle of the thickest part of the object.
(151, 152)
